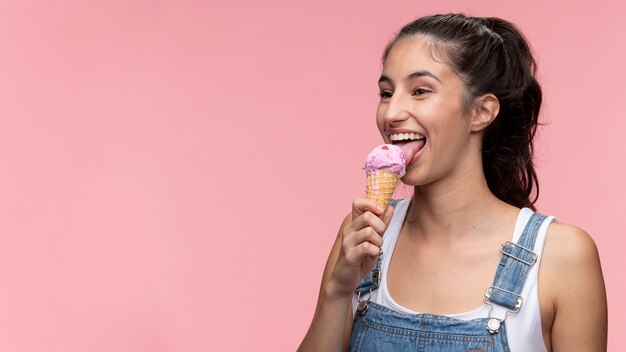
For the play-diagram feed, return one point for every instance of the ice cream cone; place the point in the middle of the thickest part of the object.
(380, 186)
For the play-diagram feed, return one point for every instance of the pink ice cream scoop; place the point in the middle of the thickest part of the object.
(388, 157)
(384, 167)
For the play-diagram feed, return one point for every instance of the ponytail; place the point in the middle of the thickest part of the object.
(508, 141)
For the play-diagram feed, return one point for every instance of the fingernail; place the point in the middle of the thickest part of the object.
(379, 208)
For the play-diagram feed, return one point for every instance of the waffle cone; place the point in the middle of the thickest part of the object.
(380, 186)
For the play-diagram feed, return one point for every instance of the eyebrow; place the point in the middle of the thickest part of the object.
(413, 75)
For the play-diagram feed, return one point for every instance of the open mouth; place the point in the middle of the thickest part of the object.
(410, 143)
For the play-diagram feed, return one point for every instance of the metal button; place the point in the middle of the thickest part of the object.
(362, 307)
(493, 325)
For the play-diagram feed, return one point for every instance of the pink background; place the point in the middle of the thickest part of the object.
(174, 172)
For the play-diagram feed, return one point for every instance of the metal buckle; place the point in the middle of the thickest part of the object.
(518, 306)
(506, 244)
(376, 278)
(377, 273)
(493, 324)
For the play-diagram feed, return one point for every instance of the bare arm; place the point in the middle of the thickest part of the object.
(352, 256)
(579, 296)
(327, 331)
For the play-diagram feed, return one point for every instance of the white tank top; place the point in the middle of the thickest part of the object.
(523, 329)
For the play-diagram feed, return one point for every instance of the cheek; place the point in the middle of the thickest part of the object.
(381, 125)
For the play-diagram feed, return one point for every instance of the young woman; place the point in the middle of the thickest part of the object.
(464, 264)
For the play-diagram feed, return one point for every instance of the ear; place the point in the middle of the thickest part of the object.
(486, 109)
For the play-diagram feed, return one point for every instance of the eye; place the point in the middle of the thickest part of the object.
(385, 94)
(420, 91)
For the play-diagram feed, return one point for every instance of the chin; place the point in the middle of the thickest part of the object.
(416, 179)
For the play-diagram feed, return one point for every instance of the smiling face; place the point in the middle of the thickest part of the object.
(421, 110)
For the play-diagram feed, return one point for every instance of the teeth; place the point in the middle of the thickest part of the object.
(405, 136)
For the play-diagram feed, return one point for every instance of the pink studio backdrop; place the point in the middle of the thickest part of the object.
(174, 172)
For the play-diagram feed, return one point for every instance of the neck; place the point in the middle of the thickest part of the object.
(454, 208)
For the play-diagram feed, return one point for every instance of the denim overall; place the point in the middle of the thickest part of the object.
(377, 328)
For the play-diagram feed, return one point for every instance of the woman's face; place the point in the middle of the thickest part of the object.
(421, 111)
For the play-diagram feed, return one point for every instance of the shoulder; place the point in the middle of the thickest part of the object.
(567, 243)
(570, 277)
(570, 258)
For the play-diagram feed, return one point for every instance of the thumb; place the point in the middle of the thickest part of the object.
(386, 218)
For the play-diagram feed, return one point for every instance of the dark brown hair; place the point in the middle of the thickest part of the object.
(492, 56)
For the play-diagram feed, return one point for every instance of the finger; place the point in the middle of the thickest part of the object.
(368, 219)
(367, 234)
(386, 218)
(363, 250)
(361, 205)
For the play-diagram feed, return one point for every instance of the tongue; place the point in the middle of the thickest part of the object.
(411, 148)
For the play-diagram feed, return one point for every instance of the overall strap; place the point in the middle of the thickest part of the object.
(517, 259)
(371, 281)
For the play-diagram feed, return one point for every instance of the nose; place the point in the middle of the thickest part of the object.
(397, 110)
